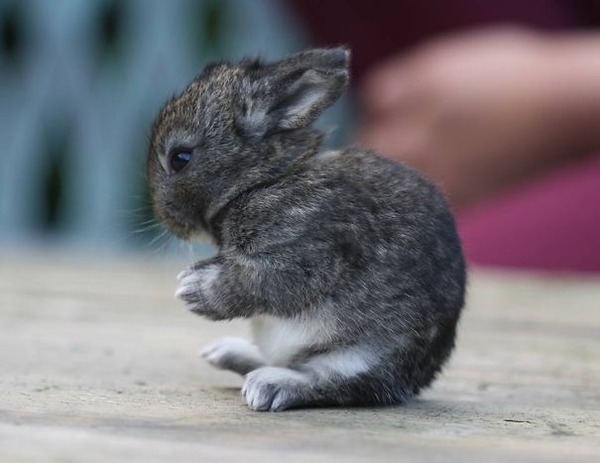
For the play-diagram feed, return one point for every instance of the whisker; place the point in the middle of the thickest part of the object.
(190, 253)
(147, 228)
(158, 237)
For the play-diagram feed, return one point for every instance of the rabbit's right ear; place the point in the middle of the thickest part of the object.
(293, 92)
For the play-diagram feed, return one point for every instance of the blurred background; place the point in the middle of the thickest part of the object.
(80, 83)
(496, 102)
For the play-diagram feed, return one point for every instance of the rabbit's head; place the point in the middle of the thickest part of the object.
(235, 126)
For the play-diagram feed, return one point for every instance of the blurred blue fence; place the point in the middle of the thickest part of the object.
(81, 81)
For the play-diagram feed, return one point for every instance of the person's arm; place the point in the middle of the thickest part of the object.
(576, 84)
(480, 111)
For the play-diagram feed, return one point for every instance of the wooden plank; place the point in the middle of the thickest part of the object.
(98, 364)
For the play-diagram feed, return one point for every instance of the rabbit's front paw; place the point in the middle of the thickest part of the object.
(197, 287)
(275, 389)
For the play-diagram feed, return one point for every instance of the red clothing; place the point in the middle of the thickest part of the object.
(551, 223)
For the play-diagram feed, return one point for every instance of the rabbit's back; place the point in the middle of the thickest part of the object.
(384, 233)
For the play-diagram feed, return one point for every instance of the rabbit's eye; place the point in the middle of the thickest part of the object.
(179, 160)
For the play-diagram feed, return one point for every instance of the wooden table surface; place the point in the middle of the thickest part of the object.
(98, 363)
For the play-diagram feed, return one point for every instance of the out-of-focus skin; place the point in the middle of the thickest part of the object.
(480, 111)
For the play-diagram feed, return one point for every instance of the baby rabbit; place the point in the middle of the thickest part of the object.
(348, 265)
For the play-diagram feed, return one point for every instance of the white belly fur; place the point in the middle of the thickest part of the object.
(280, 339)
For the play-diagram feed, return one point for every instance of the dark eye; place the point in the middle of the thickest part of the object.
(179, 160)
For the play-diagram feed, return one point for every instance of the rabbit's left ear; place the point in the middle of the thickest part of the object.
(293, 92)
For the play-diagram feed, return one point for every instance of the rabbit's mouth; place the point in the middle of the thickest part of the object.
(179, 222)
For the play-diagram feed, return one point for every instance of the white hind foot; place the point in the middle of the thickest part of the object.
(275, 389)
(235, 354)
(339, 377)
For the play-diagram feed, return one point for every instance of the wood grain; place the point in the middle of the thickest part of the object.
(98, 363)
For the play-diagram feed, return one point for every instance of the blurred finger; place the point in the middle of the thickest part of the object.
(388, 89)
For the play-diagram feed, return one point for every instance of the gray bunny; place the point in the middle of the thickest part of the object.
(348, 265)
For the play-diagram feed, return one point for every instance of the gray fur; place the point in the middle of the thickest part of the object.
(354, 258)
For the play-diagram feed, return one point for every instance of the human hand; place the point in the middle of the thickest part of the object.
(474, 112)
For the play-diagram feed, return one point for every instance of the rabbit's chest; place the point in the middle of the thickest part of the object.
(280, 339)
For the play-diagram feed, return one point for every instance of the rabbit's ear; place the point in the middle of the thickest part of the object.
(300, 88)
